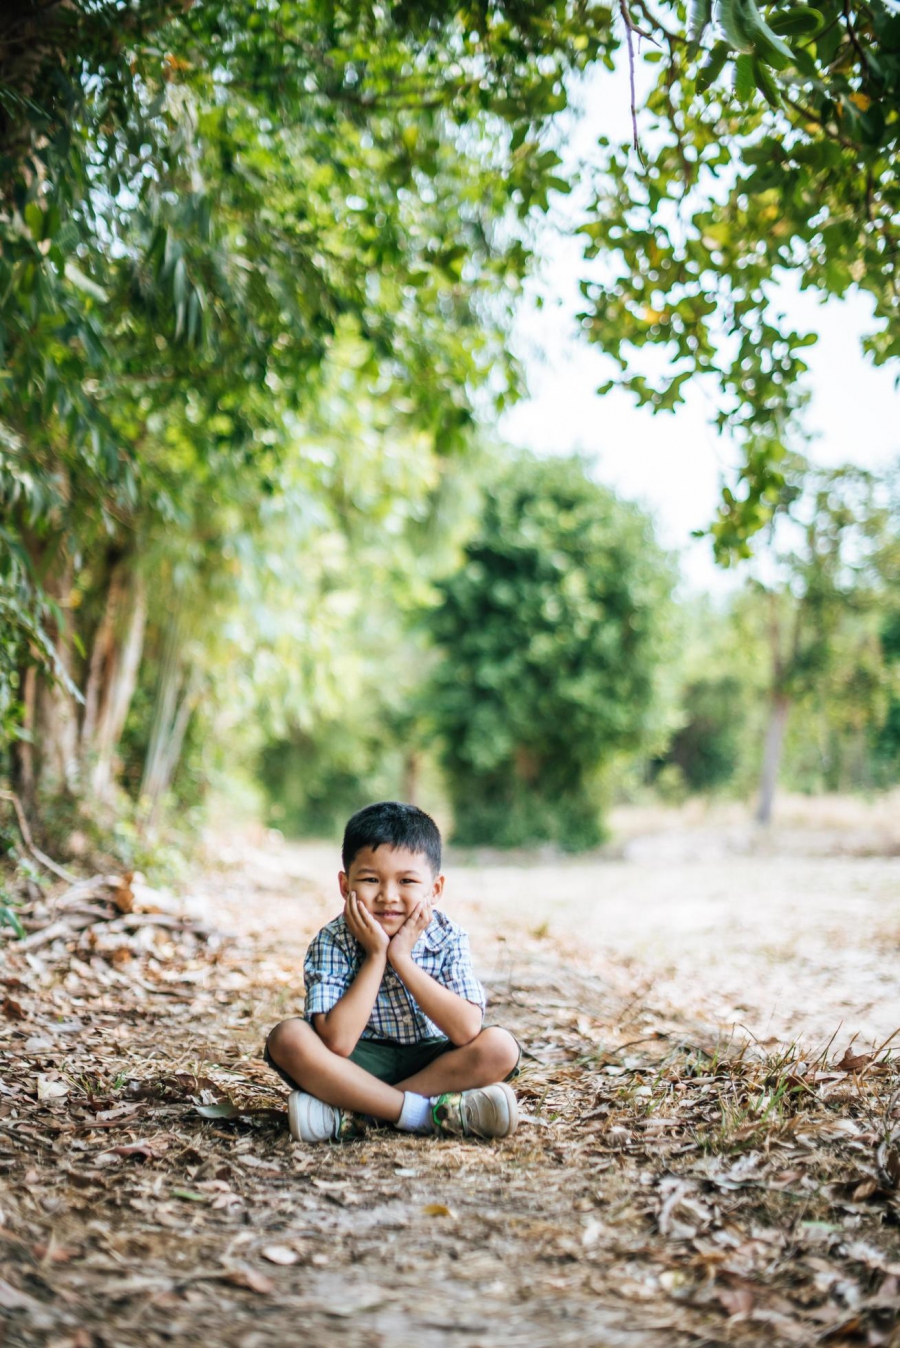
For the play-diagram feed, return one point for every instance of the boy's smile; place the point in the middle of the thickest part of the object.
(389, 882)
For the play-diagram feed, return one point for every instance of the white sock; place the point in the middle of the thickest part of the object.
(415, 1116)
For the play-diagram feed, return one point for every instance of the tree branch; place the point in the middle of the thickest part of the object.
(36, 852)
(629, 38)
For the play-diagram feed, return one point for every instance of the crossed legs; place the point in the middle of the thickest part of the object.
(295, 1047)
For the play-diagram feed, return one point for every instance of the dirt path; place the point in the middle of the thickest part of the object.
(730, 931)
(662, 1189)
(788, 947)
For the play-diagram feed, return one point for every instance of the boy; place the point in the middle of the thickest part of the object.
(392, 1026)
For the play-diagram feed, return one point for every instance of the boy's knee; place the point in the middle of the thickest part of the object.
(288, 1036)
(500, 1049)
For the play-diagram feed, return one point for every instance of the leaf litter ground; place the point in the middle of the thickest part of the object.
(670, 1182)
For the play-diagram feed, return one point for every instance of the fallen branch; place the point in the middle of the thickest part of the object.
(70, 927)
(80, 890)
(36, 852)
(118, 891)
(133, 920)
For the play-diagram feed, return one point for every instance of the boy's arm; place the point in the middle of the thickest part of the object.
(457, 1018)
(341, 1027)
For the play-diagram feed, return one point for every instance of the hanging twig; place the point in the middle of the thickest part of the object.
(36, 852)
(629, 39)
(669, 34)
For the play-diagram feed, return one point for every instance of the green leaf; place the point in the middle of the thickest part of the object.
(766, 84)
(225, 1109)
(744, 84)
(10, 918)
(34, 219)
(76, 276)
(699, 16)
(710, 72)
(797, 22)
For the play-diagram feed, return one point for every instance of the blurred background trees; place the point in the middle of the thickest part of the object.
(200, 210)
(258, 266)
(551, 638)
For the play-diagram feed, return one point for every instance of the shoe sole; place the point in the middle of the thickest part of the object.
(512, 1106)
(512, 1112)
(294, 1116)
(296, 1126)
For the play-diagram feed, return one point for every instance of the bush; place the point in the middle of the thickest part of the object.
(708, 745)
(313, 785)
(551, 635)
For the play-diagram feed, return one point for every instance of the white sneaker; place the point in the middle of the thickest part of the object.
(311, 1120)
(491, 1111)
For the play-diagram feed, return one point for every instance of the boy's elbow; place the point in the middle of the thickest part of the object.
(332, 1038)
(337, 1045)
(469, 1030)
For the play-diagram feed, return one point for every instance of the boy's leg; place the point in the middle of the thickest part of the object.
(490, 1057)
(295, 1047)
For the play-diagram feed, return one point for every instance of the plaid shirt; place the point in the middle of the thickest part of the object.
(334, 958)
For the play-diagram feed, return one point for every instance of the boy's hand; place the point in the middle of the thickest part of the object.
(371, 935)
(403, 941)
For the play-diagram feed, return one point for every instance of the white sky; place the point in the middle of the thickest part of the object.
(673, 463)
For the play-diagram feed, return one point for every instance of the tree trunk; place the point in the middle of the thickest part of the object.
(55, 712)
(177, 696)
(22, 765)
(169, 759)
(411, 763)
(164, 710)
(115, 661)
(103, 657)
(23, 758)
(778, 715)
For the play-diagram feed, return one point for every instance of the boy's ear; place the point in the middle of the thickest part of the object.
(438, 887)
(344, 882)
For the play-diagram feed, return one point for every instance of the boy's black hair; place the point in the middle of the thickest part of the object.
(394, 825)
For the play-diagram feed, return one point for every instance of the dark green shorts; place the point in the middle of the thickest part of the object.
(389, 1061)
(392, 1062)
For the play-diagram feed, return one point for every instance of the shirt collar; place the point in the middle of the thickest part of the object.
(437, 933)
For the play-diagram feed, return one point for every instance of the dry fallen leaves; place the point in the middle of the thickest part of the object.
(666, 1185)
(279, 1254)
(252, 1279)
(49, 1088)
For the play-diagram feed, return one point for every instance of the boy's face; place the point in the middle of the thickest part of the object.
(389, 882)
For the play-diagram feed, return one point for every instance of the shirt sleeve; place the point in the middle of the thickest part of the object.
(327, 974)
(458, 975)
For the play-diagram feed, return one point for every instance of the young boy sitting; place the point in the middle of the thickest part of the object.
(393, 1017)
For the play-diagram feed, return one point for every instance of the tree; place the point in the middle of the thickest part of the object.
(706, 747)
(194, 200)
(827, 578)
(317, 674)
(809, 178)
(550, 637)
(885, 736)
(771, 150)
(196, 205)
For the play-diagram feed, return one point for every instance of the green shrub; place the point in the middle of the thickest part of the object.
(551, 635)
